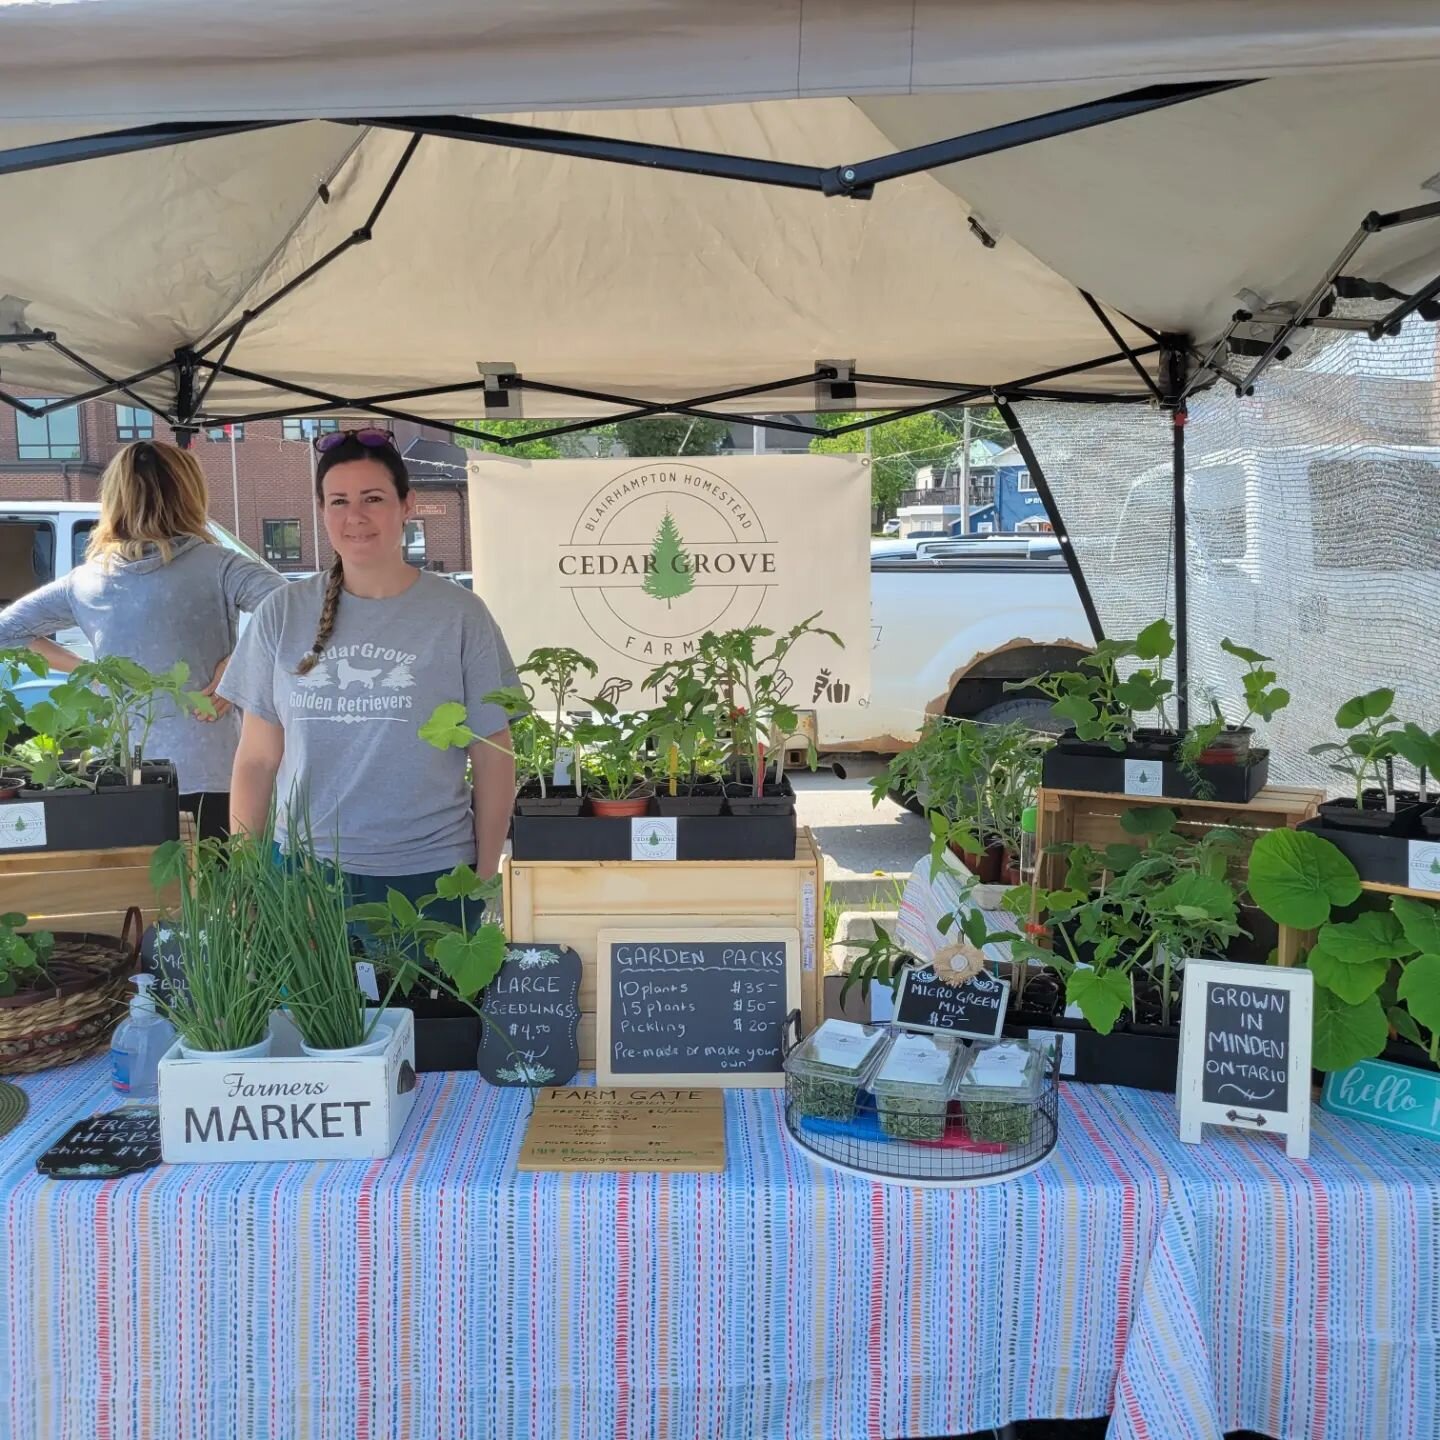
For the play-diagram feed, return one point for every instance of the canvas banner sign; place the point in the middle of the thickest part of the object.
(631, 561)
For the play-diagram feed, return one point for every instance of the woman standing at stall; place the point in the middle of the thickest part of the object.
(156, 588)
(338, 673)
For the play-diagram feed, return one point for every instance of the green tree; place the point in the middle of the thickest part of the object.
(670, 435)
(671, 576)
(577, 445)
(898, 448)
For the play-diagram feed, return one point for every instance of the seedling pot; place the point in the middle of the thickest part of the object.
(1230, 747)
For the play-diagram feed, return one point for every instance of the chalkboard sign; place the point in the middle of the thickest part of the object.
(975, 1007)
(161, 956)
(534, 1003)
(695, 1007)
(1245, 1050)
(115, 1142)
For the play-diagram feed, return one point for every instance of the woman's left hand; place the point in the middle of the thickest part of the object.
(221, 705)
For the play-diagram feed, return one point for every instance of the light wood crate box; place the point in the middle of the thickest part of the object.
(85, 890)
(568, 902)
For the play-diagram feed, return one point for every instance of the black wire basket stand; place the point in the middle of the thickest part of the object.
(965, 1142)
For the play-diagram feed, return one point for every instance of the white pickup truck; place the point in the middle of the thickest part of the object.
(954, 620)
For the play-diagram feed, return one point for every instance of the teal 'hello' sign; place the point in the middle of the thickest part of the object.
(1399, 1096)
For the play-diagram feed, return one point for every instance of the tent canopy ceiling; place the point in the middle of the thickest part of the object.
(661, 287)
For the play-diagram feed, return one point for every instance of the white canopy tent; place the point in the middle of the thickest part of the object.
(587, 208)
(610, 286)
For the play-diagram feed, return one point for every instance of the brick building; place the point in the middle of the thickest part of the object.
(62, 456)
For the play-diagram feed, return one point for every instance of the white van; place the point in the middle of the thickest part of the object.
(41, 540)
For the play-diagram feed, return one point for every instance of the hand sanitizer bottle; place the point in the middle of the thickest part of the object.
(138, 1044)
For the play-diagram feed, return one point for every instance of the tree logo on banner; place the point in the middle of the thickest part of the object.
(670, 578)
(666, 530)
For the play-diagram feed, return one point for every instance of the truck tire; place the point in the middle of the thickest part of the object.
(1034, 713)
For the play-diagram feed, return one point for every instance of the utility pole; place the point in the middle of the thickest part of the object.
(965, 475)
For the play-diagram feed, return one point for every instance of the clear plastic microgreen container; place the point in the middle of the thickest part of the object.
(999, 1085)
(913, 1084)
(830, 1066)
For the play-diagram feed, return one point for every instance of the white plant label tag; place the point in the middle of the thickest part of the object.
(1425, 865)
(654, 837)
(22, 827)
(365, 979)
(564, 760)
(1066, 1041)
(1143, 777)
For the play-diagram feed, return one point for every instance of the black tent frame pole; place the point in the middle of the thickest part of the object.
(1175, 360)
(1052, 511)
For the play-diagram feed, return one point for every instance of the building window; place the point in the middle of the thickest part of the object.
(132, 423)
(415, 542)
(1023, 483)
(50, 437)
(218, 432)
(307, 427)
(282, 542)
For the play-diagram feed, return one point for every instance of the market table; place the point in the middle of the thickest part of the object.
(440, 1294)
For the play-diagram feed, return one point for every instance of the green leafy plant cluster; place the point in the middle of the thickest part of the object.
(1100, 703)
(1377, 973)
(1136, 908)
(975, 781)
(24, 959)
(1375, 739)
(1264, 699)
(97, 721)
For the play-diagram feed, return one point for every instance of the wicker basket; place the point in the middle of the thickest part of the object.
(74, 1016)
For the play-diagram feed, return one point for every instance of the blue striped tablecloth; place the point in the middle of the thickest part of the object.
(440, 1295)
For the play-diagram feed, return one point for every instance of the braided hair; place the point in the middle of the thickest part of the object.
(347, 450)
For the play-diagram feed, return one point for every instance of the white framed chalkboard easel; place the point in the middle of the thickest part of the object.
(1245, 1051)
(701, 1006)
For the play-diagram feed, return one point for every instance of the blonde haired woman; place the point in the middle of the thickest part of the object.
(156, 588)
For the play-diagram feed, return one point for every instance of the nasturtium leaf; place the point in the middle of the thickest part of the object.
(1346, 1034)
(1420, 990)
(1296, 877)
(1420, 920)
(1352, 983)
(1373, 936)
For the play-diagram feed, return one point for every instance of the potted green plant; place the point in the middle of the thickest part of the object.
(14, 666)
(1115, 932)
(435, 967)
(1100, 705)
(744, 670)
(615, 761)
(88, 740)
(1217, 742)
(975, 781)
(688, 756)
(1422, 749)
(556, 670)
(220, 995)
(1366, 754)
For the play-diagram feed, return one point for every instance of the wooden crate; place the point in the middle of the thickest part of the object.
(87, 890)
(1091, 817)
(568, 902)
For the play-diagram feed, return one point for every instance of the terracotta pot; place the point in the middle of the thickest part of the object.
(620, 809)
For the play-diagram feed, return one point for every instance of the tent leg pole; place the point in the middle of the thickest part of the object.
(1174, 377)
(1182, 597)
(1052, 512)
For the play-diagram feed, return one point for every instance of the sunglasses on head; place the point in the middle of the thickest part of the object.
(370, 439)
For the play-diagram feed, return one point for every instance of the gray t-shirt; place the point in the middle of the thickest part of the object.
(156, 614)
(397, 805)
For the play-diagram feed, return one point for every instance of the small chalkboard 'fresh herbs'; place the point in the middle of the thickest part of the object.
(100, 1147)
